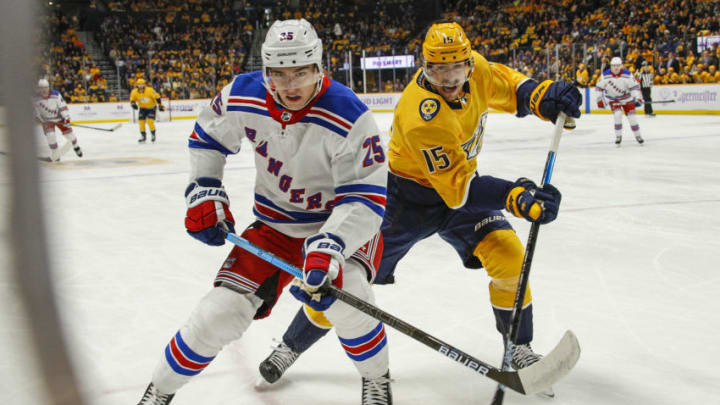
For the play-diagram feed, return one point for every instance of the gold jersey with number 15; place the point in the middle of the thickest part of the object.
(436, 142)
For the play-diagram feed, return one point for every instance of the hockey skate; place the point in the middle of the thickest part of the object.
(142, 139)
(377, 391)
(54, 156)
(618, 139)
(154, 397)
(78, 151)
(274, 366)
(639, 139)
(152, 137)
(524, 356)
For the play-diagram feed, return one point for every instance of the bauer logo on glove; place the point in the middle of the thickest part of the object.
(202, 193)
(323, 265)
(208, 214)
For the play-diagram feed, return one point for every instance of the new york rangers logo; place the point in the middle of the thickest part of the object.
(286, 116)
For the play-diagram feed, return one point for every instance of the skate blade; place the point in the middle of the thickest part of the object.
(548, 393)
(261, 384)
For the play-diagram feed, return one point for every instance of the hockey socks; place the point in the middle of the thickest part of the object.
(302, 333)
(525, 332)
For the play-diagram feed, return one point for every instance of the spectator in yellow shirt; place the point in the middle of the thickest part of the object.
(388, 88)
(714, 74)
(686, 76)
(660, 77)
(581, 76)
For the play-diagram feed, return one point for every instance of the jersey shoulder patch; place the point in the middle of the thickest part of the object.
(248, 85)
(429, 108)
(341, 101)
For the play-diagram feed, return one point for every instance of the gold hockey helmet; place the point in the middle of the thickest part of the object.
(447, 58)
(446, 42)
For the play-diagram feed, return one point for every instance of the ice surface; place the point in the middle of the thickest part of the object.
(630, 266)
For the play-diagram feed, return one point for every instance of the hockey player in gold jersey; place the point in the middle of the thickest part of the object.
(433, 187)
(146, 99)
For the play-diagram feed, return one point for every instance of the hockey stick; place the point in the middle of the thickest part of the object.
(511, 335)
(98, 129)
(63, 150)
(660, 102)
(529, 380)
(42, 159)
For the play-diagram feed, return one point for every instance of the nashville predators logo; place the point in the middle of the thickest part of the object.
(429, 108)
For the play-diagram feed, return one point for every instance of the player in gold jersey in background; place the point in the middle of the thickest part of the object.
(433, 186)
(146, 99)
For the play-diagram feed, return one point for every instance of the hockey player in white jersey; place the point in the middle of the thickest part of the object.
(319, 202)
(618, 89)
(51, 111)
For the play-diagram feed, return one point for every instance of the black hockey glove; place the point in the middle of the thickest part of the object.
(550, 98)
(134, 106)
(526, 200)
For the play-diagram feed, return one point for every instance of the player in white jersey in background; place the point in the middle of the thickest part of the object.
(319, 201)
(621, 92)
(51, 111)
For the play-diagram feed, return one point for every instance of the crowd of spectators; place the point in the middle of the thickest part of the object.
(186, 49)
(192, 48)
(573, 39)
(66, 64)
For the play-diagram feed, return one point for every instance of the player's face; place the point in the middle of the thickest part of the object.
(448, 78)
(44, 91)
(616, 68)
(294, 85)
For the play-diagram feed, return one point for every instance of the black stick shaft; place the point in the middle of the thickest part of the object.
(510, 379)
(507, 378)
(511, 336)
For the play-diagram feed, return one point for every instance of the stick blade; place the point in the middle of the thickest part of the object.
(551, 368)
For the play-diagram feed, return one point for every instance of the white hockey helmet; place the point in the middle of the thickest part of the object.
(43, 83)
(616, 61)
(291, 43)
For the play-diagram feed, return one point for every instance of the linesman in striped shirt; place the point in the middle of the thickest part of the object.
(645, 77)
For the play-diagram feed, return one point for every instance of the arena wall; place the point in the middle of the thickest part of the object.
(688, 99)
